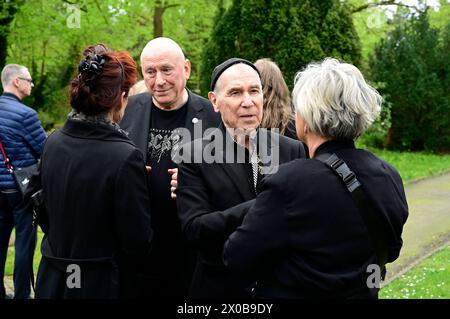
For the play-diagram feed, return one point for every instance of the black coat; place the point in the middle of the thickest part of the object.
(169, 268)
(97, 212)
(212, 200)
(305, 238)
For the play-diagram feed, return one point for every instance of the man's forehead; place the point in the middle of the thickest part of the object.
(162, 58)
(162, 48)
(239, 75)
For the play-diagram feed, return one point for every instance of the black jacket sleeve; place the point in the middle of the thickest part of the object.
(202, 225)
(263, 233)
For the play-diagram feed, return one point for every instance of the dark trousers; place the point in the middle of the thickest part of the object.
(13, 214)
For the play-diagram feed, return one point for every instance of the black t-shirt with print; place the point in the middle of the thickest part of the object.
(163, 136)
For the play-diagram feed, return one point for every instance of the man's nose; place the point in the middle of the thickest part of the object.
(160, 80)
(247, 100)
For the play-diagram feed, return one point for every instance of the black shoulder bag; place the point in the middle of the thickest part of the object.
(21, 175)
(376, 228)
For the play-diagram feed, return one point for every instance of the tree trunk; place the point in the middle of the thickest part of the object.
(7, 11)
(157, 19)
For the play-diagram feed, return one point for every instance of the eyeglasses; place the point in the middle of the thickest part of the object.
(25, 79)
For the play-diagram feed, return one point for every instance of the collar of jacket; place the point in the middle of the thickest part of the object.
(11, 95)
(228, 143)
(95, 131)
(333, 145)
(193, 108)
(147, 98)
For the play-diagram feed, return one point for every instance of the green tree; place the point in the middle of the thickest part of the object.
(50, 43)
(439, 17)
(412, 64)
(290, 32)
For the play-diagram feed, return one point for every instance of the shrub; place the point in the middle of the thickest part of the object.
(292, 33)
(412, 63)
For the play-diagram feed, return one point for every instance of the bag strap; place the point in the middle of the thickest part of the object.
(8, 165)
(376, 228)
(32, 280)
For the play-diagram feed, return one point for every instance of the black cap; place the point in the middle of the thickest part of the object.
(218, 70)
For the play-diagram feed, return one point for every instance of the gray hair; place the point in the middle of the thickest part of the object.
(334, 100)
(10, 71)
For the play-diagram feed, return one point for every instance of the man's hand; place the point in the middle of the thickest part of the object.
(173, 182)
(148, 169)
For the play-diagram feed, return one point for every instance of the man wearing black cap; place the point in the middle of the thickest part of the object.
(214, 194)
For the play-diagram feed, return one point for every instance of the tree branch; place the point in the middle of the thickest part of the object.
(72, 3)
(383, 3)
(171, 6)
(102, 13)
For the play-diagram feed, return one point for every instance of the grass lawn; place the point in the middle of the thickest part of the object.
(428, 280)
(415, 165)
(9, 267)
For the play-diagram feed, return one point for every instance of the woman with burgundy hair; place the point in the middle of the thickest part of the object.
(94, 186)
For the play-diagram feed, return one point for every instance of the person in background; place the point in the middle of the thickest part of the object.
(94, 186)
(277, 108)
(313, 242)
(23, 138)
(138, 88)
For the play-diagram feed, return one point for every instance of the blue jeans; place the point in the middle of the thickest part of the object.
(13, 213)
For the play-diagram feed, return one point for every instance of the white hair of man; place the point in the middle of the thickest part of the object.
(10, 71)
(334, 100)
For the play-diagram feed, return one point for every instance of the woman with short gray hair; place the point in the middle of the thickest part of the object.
(334, 100)
(324, 227)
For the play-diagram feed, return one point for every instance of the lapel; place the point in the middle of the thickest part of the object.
(269, 150)
(193, 115)
(236, 172)
(137, 121)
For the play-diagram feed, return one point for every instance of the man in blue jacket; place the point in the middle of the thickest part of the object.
(22, 137)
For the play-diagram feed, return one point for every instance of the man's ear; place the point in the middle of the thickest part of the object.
(187, 69)
(15, 82)
(212, 97)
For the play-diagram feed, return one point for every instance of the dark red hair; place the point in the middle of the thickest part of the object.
(99, 89)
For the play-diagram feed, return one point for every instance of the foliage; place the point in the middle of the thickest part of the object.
(371, 25)
(412, 62)
(439, 18)
(8, 10)
(50, 43)
(428, 280)
(413, 165)
(375, 21)
(377, 133)
(293, 33)
(190, 25)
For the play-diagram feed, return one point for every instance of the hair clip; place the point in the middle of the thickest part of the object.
(91, 67)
